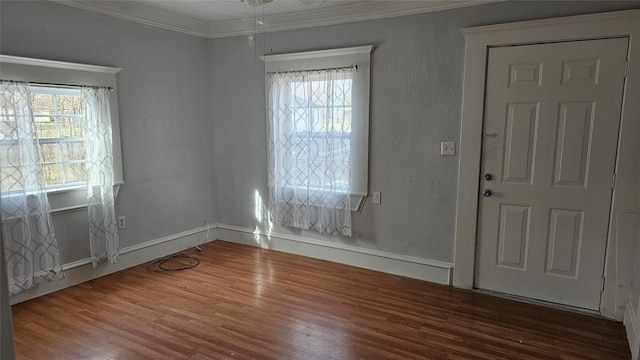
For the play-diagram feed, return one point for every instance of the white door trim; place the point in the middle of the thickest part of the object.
(478, 40)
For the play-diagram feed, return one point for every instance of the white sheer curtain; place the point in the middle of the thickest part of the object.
(103, 230)
(309, 157)
(30, 246)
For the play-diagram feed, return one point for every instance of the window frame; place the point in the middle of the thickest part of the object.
(334, 58)
(40, 73)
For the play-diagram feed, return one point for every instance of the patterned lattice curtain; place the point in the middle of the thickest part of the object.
(103, 229)
(31, 250)
(309, 157)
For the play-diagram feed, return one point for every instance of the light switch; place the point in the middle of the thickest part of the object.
(447, 148)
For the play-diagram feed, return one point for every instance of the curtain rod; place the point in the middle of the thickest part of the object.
(110, 88)
(350, 67)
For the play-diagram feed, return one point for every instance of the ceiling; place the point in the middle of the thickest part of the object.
(222, 18)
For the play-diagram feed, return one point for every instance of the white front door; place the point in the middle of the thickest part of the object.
(551, 121)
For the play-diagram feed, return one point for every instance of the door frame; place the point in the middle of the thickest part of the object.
(626, 195)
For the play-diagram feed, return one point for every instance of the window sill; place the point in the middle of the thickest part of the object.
(357, 199)
(357, 202)
(71, 198)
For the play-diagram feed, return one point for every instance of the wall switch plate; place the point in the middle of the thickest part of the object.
(122, 222)
(447, 148)
(376, 197)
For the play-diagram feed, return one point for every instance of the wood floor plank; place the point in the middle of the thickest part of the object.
(243, 302)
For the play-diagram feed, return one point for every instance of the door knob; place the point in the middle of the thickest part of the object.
(488, 176)
(486, 193)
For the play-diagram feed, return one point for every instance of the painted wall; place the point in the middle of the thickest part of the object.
(634, 301)
(635, 284)
(166, 102)
(173, 85)
(417, 72)
(171, 82)
(164, 107)
(6, 328)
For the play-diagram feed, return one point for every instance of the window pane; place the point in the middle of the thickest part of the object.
(68, 104)
(7, 126)
(300, 120)
(315, 108)
(53, 174)
(9, 154)
(76, 127)
(46, 127)
(74, 151)
(6, 104)
(70, 127)
(65, 126)
(75, 172)
(347, 119)
(42, 104)
(318, 119)
(50, 152)
(342, 93)
(10, 179)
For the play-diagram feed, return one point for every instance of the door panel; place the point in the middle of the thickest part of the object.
(514, 236)
(552, 115)
(564, 242)
(521, 126)
(573, 145)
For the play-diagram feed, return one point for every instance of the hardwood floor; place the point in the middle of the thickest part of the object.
(243, 302)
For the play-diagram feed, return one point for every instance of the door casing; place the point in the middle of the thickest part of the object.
(627, 191)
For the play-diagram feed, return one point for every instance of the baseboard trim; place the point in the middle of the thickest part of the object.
(632, 325)
(409, 266)
(82, 270)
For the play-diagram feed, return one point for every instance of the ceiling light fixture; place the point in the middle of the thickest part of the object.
(255, 3)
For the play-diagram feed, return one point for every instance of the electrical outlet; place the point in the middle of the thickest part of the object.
(376, 197)
(122, 222)
(447, 148)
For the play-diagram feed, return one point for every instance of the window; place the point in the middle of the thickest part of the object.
(328, 118)
(59, 128)
(329, 114)
(57, 112)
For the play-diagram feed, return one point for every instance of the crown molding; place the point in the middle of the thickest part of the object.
(333, 15)
(142, 14)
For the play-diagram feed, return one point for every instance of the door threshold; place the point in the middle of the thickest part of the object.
(548, 304)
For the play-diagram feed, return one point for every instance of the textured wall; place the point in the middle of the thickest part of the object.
(165, 114)
(635, 284)
(417, 73)
(6, 330)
